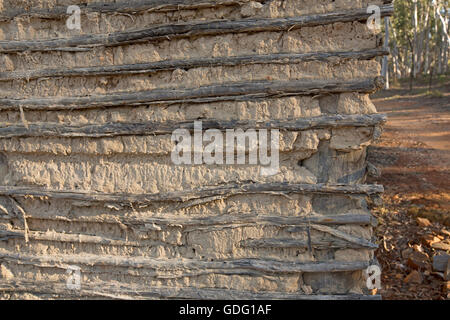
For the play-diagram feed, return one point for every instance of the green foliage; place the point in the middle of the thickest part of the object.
(422, 37)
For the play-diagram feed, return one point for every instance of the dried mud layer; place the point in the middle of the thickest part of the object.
(82, 184)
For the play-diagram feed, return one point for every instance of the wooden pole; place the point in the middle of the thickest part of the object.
(187, 30)
(235, 91)
(385, 70)
(222, 191)
(168, 65)
(160, 128)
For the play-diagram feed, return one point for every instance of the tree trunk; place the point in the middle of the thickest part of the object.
(415, 39)
(385, 70)
(412, 71)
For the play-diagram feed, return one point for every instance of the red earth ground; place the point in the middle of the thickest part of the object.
(413, 156)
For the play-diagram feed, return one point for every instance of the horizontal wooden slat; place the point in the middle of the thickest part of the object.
(250, 219)
(190, 29)
(187, 265)
(120, 7)
(321, 244)
(66, 237)
(157, 128)
(124, 7)
(339, 239)
(293, 224)
(124, 292)
(218, 192)
(167, 65)
(234, 91)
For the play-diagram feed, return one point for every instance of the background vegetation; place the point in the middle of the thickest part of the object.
(419, 39)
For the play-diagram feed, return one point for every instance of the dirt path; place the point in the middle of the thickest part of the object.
(414, 157)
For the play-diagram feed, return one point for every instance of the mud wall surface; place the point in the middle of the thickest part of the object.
(87, 177)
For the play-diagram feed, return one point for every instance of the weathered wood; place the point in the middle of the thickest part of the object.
(321, 244)
(158, 128)
(166, 265)
(175, 269)
(225, 191)
(148, 270)
(110, 290)
(120, 7)
(135, 6)
(68, 237)
(210, 223)
(168, 65)
(189, 29)
(6, 237)
(345, 236)
(250, 219)
(234, 91)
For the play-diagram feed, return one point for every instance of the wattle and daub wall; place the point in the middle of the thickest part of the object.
(86, 176)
